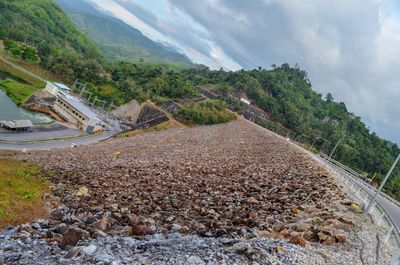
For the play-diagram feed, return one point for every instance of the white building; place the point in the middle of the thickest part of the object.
(54, 88)
(76, 112)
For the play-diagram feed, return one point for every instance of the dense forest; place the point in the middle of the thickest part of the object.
(284, 92)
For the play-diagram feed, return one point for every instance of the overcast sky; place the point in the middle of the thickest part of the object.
(350, 48)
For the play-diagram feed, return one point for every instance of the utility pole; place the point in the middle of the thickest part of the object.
(94, 101)
(82, 90)
(112, 106)
(382, 184)
(316, 138)
(337, 144)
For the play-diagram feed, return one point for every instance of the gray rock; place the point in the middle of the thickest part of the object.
(36, 226)
(195, 260)
(176, 228)
(60, 228)
(89, 250)
(103, 257)
(11, 257)
(130, 242)
(75, 251)
(242, 247)
(72, 236)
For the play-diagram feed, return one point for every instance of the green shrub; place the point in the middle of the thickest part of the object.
(18, 92)
(207, 112)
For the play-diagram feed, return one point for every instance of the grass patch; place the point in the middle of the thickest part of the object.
(19, 74)
(160, 127)
(207, 112)
(18, 92)
(21, 191)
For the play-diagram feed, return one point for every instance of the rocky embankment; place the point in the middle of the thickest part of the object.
(241, 194)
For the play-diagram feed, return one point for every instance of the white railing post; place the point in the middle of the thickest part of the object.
(381, 218)
(388, 234)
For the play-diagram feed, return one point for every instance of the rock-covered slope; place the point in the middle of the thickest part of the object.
(228, 194)
(211, 181)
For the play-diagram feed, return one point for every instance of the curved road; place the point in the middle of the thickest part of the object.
(51, 144)
(391, 208)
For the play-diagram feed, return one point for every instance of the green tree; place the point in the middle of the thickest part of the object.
(29, 54)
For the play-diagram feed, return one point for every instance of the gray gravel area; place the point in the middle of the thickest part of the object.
(18, 246)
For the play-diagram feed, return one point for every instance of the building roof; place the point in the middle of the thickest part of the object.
(61, 86)
(16, 124)
(79, 106)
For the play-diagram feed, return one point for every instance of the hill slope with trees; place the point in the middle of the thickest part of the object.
(117, 40)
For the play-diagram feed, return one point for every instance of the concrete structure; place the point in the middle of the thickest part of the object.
(76, 112)
(245, 101)
(55, 88)
(17, 125)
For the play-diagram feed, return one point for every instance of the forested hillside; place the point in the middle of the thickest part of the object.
(117, 40)
(60, 45)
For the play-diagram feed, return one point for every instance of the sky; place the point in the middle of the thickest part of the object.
(350, 48)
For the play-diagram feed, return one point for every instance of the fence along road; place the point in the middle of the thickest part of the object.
(390, 205)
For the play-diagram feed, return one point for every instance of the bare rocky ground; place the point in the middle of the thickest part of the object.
(225, 194)
(128, 112)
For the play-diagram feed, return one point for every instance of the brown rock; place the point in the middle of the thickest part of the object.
(345, 219)
(326, 236)
(275, 234)
(341, 238)
(284, 232)
(253, 215)
(298, 240)
(355, 208)
(252, 200)
(347, 202)
(140, 230)
(295, 211)
(56, 238)
(72, 236)
(103, 224)
(99, 233)
(302, 227)
(330, 241)
(264, 233)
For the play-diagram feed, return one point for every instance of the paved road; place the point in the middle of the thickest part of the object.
(47, 145)
(390, 208)
(40, 132)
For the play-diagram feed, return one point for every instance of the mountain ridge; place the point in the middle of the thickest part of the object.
(116, 39)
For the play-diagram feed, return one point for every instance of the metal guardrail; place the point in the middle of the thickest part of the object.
(354, 182)
(360, 177)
